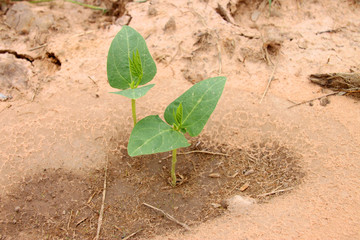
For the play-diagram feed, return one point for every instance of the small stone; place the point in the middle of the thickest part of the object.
(248, 172)
(245, 186)
(255, 15)
(302, 44)
(20, 17)
(29, 198)
(224, 204)
(124, 20)
(170, 26)
(4, 98)
(152, 11)
(44, 23)
(216, 205)
(14, 72)
(239, 203)
(17, 209)
(214, 175)
(324, 101)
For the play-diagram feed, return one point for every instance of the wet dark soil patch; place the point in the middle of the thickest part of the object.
(59, 204)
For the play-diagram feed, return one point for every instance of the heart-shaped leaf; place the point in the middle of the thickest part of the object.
(136, 92)
(129, 48)
(152, 135)
(198, 103)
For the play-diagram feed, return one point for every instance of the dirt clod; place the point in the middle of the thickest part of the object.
(13, 72)
(324, 101)
(170, 25)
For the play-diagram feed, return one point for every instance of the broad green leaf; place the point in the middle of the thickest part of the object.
(136, 92)
(198, 103)
(152, 135)
(125, 45)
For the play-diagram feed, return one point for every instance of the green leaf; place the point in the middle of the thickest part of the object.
(128, 45)
(136, 68)
(179, 114)
(198, 103)
(136, 92)
(152, 135)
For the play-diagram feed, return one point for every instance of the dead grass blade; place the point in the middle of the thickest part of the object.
(168, 216)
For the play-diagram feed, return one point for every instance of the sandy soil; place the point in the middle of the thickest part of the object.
(61, 115)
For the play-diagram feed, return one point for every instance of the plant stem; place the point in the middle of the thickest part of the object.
(133, 108)
(270, 7)
(87, 5)
(173, 164)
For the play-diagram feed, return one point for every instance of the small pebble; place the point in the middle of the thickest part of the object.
(214, 175)
(255, 15)
(248, 172)
(17, 209)
(245, 186)
(4, 97)
(224, 204)
(170, 25)
(152, 11)
(216, 205)
(324, 101)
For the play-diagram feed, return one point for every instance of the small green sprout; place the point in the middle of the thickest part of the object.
(187, 114)
(130, 65)
(270, 6)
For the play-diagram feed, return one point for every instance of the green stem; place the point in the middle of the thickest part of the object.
(270, 7)
(40, 1)
(133, 108)
(87, 5)
(173, 164)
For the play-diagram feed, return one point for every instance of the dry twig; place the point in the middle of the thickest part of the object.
(81, 221)
(7, 106)
(131, 235)
(92, 196)
(318, 98)
(276, 191)
(168, 216)
(176, 53)
(198, 151)
(102, 203)
(92, 79)
(269, 82)
(38, 47)
(68, 225)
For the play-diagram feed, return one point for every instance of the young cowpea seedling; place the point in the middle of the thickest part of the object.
(130, 65)
(187, 114)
